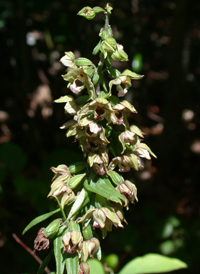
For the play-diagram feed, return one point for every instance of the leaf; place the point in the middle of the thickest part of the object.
(39, 219)
(95, 266)
(152, 263)
(78, 203)
(45, 262)
(103, 186)
(97, 48)
(72, 263)
(59, 256)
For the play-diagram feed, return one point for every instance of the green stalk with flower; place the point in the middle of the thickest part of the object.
(91, 194)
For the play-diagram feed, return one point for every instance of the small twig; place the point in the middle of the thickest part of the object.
(30, 252)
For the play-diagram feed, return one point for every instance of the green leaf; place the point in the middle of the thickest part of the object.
(152, 263)
(45, 262)
(97, 48)
(59, 255)
(39, 219)
(95, 266)
(78, 203)
(103, 186)
(82, 100)
(72, 263)
(114, 72)
(115, 177)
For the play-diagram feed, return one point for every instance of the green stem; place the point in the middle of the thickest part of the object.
(62, 211)
(106, 26)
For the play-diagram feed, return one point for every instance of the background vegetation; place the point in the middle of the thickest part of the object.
(162, 39)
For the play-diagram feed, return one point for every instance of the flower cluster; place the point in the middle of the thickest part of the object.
(92, 194)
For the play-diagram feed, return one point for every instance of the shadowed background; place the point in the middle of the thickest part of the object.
(162, 39)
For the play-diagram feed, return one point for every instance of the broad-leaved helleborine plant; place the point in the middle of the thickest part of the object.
(91, 194)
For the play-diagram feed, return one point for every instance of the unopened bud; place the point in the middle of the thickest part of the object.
(87, 12)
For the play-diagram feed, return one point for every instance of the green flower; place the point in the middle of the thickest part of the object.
(73, 242)
(119, 54)
(123, 82)
(79, 79)
(125, 162)
(129, 190)
(104, 218)
(100, 108)
(90, 248)
(70, 106)
(108, 45)
(99, 162)
(143, 151)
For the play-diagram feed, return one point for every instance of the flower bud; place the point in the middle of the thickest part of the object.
(99, 218)
(51, 230)
(90, 248)
(87, 12)
(129, 190)
(41, 242)
(84, 268)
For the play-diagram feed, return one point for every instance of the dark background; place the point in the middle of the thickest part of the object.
(162, 39)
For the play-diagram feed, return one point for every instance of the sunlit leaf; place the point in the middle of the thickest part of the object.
(103, 186)
(152, 263)
(95, 266)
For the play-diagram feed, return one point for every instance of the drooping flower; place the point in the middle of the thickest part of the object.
(90, 248)
(100, 161)
(73, 242)
(104, 218)
(123, 82)
(129, 190)
(79, 79)
(68, 59)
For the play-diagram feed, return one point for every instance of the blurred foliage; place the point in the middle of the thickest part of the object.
(162, 38)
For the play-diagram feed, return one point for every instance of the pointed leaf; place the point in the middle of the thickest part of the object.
(78, 203)
(103, 186)
(97, 48)
(152, 263)
(39, 219)
(59, 256)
